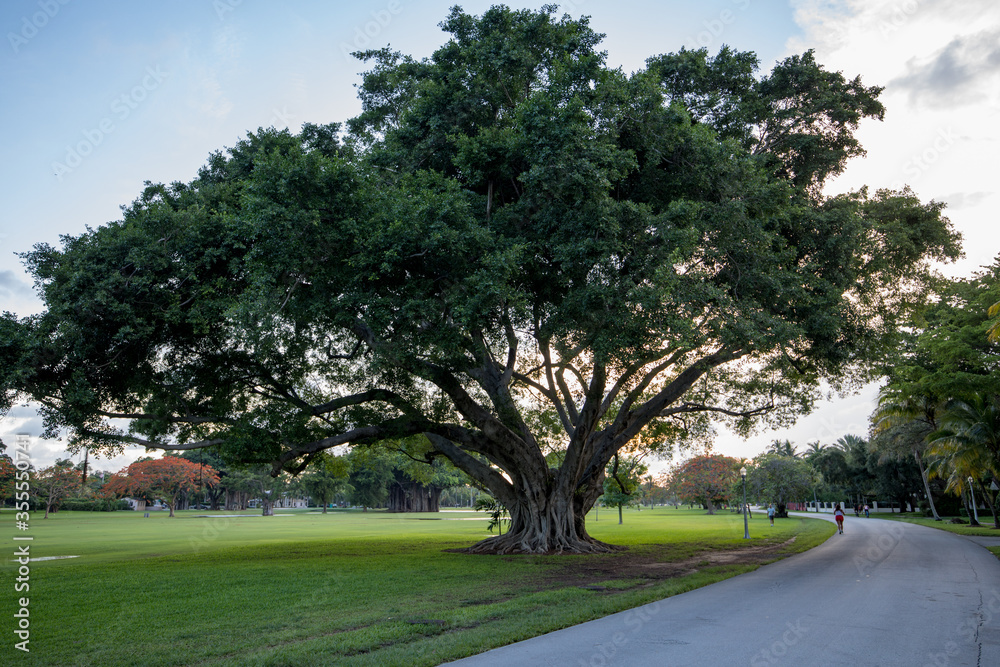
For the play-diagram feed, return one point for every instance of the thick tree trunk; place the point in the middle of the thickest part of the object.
(214, 496)
(413, 497)
(545, 521)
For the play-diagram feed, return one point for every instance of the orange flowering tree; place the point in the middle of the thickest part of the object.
(163, 478)
(706, 479)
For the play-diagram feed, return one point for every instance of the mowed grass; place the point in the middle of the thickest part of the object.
(347, 588)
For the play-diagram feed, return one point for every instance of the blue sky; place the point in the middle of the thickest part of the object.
(101, 96)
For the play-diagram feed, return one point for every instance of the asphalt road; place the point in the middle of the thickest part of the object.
(883, 593)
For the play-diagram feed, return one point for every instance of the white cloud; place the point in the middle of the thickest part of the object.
(963, 72)
(17, 295)
(960, 200)
(11, 285)
(880, 37)
(45, 452)
(940, 64)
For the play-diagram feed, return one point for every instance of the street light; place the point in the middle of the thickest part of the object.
(972, 494)
(746, 526)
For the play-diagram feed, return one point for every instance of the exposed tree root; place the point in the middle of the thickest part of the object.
(524, 543)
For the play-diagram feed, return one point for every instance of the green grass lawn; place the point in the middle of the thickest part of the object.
(347, 588)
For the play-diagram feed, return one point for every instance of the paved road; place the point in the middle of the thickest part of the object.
(883, 593)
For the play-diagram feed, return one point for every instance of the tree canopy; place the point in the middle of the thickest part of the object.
(55, 483)
(773, 478)
(162, 478)
(623, 482)
(509, 223)
(944, 369)
(707, 479)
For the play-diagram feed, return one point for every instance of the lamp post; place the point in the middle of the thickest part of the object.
(972, 494)
(746, 526)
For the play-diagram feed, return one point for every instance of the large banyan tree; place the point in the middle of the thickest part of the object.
(515, 257)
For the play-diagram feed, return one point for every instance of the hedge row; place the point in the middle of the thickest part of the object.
(88, 505)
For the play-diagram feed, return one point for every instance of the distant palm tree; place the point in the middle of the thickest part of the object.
(907, 422)
(852, 444)
(782, 448)
(814, 449)
(955, 464)
(970, 438)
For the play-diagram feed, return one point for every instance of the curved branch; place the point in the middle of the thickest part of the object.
(371, 396)
(699, 407)
(479, 471)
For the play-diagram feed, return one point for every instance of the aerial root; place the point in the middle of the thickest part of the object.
(521, 544)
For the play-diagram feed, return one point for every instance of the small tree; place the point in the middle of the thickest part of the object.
(779, 479)
(162, 478)
(8, 474)
(326, 476)
(371, 474)
(624, 478)
(55, 483)
(707, 480)
(258, 481)
(498, 513)
(215, 495)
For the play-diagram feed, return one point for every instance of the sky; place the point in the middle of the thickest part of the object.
(100, 96)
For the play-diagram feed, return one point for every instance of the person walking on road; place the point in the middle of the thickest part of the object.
(866, 510)
(770, 513)
(838, 514)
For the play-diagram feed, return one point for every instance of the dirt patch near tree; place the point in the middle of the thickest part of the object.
(647, 565)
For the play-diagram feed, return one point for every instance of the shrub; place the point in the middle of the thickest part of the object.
(93, 505)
